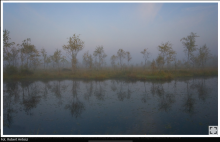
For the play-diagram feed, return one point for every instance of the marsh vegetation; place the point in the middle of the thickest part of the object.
(24, 61)
(162, 96)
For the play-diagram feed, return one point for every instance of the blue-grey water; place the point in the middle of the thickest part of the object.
(111, 107)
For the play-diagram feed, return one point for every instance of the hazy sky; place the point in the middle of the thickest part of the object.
(129, 26)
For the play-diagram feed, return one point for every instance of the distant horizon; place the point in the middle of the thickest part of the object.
(128, 26)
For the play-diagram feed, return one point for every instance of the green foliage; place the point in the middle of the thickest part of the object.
(30, 53)
(167, 53)
(75, 44)
(189, 44)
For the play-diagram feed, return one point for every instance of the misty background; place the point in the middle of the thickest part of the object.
(128, 26)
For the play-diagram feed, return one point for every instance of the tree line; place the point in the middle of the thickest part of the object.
(25, 57)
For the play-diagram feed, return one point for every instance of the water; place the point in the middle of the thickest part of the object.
(111, 107)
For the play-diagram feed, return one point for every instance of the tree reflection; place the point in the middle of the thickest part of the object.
(30, 97)
(201, 89)
(56, 89)
(45, 88)
(121, 93)
(145, 95)
(75, 106)
(153, 88)
(89, 90)
(128, 91)
(8, 112)
(11, 90)
(189, 101)
(99, 91)
(75, 88)
(166, 102)
(64, 87)
(113, 85)
(166, 99)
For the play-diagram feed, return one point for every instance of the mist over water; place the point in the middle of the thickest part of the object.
(115, 107)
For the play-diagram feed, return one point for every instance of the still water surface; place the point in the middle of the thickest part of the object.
(111, 107)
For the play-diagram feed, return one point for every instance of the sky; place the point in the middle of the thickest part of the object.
(128, 26)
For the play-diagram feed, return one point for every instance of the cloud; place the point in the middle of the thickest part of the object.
(148, 11)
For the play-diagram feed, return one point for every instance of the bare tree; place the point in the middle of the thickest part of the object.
(75, 44)
(48, 60)
(88, 60)
(44, 54)
(113, 60)
(57, 58)
(63, 60)
(13, 56)
(121, 55)
(128, 56)
(7, 47)
(145, 56)
(204, 55)
(99, 52)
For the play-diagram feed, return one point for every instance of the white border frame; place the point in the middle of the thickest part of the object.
(100, 136)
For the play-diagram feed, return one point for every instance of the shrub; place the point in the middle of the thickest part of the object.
(26, 71)
(10, 70)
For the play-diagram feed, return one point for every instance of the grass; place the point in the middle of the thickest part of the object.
(135, 74)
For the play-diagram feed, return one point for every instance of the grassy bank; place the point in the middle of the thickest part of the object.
(136, 74)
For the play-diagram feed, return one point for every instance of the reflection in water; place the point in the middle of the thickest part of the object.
(30, 96)
(108, 108)
(145, 95)
(45, 88)
(89, 90)
(75, 105)
(113, 85)
(166, 99)
(120, 92)
(128, 91)
(99, 91)
(189, 101)
(202, 89)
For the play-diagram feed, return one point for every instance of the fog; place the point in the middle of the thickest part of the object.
(128, 26)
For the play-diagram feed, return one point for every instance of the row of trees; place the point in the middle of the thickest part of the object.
(28, 56)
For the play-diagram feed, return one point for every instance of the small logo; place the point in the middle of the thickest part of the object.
(213, 130)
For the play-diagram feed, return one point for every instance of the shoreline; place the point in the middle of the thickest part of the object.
(139, 75)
